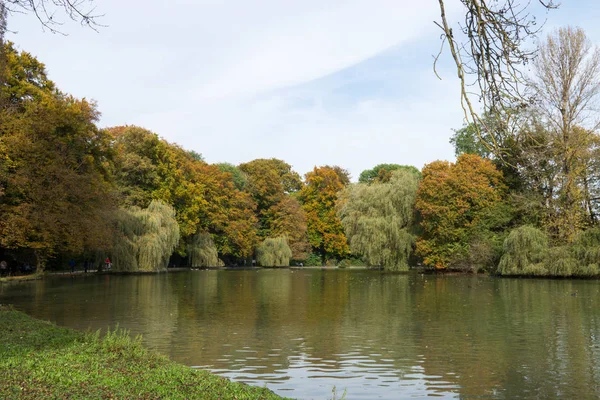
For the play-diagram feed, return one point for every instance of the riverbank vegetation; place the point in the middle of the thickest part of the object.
(41, 360)
(528, 205)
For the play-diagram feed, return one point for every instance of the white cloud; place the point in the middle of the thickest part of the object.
(213, 76)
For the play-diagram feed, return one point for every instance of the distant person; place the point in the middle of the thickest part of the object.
(86, 265)
(72, 265)
(107, 264)
(3, 268)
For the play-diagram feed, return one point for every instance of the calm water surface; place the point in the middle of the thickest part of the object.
(377, 335)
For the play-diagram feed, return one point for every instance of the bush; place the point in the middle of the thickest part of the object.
(313, 260)
(351, 262)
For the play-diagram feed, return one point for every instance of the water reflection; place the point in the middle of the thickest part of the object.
(377, 335)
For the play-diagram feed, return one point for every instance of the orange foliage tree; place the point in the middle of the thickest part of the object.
(318, 197)
(54, 189)
(204, 197)
(453, 200)
(273, 186)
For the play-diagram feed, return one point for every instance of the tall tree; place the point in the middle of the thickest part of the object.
(453, 201)
(377, 219)
(289, 220)
(318, 198)
(273, 185)
(566, 86)
(53, 169)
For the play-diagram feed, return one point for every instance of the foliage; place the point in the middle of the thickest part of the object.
(383, 172)
(313, 260)
(270, 181)
(54, 189)
(566, 84)
(526, 252)
(240, 180)
(352, 262)
(289, 220)
(274, 252)
(145, 238)
(318, 198)
(524, 249)
(205, 198)
(203, 252)
(453, 200)
(377, 219)
(342, 173)
(41, 360)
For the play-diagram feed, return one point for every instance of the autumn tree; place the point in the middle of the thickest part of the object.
(566, 85)
(205, 198)
(273, 186)
(54, 189)
(377, 219)
(318, 198)
(239, 178)
(454, 201)
(269, 180)
(289, 220)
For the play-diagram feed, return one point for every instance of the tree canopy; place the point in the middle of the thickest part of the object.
(378, 218)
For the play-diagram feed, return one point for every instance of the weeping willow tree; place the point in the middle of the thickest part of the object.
(377, 220)
(586, 250)
(203, 252)
(524, 251)
(274, 252)
(145, 238)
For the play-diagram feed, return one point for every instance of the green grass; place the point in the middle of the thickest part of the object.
(39, 360)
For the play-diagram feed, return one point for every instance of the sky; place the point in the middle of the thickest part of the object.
(311, 82)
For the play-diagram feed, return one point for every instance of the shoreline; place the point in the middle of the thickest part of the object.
(41, 360)
(415, 270)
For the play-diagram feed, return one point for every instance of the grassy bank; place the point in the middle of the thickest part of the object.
(39, 360)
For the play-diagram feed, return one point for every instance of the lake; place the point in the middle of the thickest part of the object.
(375, 335)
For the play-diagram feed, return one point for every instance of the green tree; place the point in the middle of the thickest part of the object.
(274, 252)
(383, 172)
(377, 219)
(203, 252)
(145, 238)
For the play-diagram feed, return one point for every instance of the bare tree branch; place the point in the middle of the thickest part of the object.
(489, 50)
(82, 11)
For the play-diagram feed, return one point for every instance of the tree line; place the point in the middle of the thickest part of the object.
(527, 206)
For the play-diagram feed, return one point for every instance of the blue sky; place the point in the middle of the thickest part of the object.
(312, 82)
